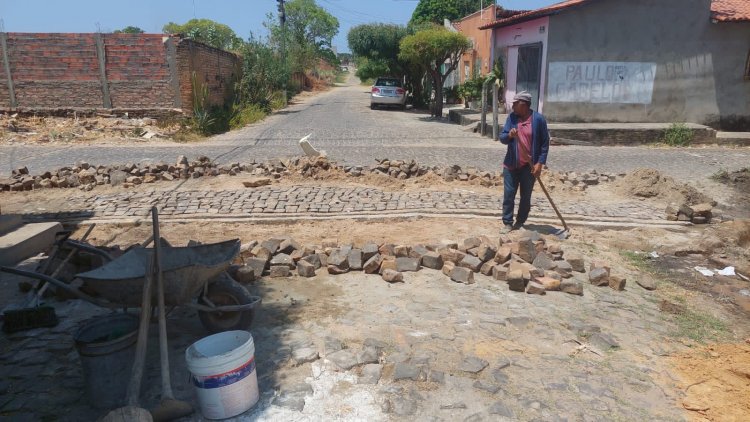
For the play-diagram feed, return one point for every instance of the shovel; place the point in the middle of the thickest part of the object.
(132, 412)
(561, 234)
(169, 408)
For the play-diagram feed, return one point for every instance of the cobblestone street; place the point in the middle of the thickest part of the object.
(342, 124)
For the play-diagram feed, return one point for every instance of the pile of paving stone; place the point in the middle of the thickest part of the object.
(86, 176)
(581, 181)
(696, 214)
(528, 264)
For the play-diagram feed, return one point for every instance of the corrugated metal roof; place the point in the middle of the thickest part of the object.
(730, 10)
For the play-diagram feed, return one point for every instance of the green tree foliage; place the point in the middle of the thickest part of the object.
(438, 51)
(262, 74)
(208, 32)
(309, 34)
(129, 30)
(435, 11)
(377, 46)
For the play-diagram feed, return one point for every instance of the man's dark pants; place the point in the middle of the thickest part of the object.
(513, 179)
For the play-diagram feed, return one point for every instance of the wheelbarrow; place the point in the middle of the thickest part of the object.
(194, 276)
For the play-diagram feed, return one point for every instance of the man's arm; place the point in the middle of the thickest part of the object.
(506, 135)
(536, 170)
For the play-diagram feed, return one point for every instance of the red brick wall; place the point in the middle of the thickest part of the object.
(217, 69)
(62, 71)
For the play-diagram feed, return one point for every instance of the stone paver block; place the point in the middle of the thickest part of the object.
(282, 259)
(599, 276)
(432, 260)
(526, 249)
(549, 283)
(617, 282)
(535, 288)
(368, 251)
(370, 374)
(503, 254)
(344, 359)
(407, 264)
(471, 262)
(646, 283)
(392, 276)
(448, 267)
(462, 275)
(313, 259)
(575, 260)
(280, 271)
(486, 252)
(487, 268)
(401, 251)
(258, 264)
(544, 262)
(500, 272)
(404, 370)
(572, 287)
(516, 281)
(304, 355)
(245, 274)
(355, 259)
(305, 269)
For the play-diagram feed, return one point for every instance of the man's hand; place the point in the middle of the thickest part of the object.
(536, 171)
(513, 133)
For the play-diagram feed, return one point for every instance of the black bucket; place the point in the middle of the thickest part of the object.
(106, 346)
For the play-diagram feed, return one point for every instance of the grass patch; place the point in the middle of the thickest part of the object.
(639, 260)
(700, 327)
(678, 135)
(368, 82)
(247, 115)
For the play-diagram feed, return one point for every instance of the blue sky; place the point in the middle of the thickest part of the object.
(243, 16)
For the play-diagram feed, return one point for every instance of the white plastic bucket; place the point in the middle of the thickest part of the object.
(223, 373)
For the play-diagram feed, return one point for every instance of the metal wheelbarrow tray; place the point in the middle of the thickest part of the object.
(190, 273)
(185, 271)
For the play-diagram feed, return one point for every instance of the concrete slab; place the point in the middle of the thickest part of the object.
(26, 241)
(9, 222)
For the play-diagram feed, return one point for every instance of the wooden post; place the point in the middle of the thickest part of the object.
(101, 55)
(495, 128)
(173, 71)
(6, 64)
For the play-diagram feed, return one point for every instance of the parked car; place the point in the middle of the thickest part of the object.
(388, 92)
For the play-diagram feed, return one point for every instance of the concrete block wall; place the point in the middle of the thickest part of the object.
(62, 71)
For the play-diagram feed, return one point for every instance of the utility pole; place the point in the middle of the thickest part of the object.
(282, 21)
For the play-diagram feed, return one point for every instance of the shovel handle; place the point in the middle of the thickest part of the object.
(551, 202)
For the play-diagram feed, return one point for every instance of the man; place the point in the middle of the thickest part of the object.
(525, 132)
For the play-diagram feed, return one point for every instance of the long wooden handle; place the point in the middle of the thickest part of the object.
(134, 387)
(551, 202)
(166, 383)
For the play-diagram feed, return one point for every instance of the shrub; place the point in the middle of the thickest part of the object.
(678, 134)
(243, 116)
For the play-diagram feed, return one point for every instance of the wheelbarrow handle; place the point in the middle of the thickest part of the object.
(88, 248)
(227, 308)
(60, 284)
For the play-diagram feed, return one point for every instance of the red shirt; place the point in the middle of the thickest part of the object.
(524, 142)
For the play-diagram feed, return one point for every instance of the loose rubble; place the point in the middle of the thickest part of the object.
(86, 176)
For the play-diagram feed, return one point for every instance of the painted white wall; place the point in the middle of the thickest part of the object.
(508, 39)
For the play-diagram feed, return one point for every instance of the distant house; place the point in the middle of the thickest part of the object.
(476, 61)
(631, 61)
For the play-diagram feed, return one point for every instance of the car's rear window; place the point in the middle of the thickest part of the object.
(388, 82)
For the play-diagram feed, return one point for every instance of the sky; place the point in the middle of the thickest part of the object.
(243, 16)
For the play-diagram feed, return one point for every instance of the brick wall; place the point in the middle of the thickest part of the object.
(216, 69)
(61, 71)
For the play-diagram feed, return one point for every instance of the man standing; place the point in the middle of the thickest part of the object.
(525, 132)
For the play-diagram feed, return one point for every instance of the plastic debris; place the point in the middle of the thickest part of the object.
(728, 271)
(705, 271)
(653, 255)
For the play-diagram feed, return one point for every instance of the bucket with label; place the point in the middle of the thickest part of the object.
(222, 368)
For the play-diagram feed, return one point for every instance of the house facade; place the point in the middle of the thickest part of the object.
(635, 61)
(476, 61)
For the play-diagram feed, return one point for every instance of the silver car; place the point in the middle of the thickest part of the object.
(388, 91)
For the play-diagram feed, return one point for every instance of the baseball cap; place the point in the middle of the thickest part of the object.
(522, 96)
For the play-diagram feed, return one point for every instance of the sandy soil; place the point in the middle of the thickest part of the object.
(716, 381)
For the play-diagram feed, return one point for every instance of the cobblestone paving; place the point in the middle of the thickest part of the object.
(342, 124)
(298, 200)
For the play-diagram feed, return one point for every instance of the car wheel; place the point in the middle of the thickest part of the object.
(372, 106)
(403, 106)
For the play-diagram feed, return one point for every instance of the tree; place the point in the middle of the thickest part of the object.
(129, 30)
(262, 74)
(309, 33)
(377, 47)
(436, 10)
(208, 32)
(438, 51)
